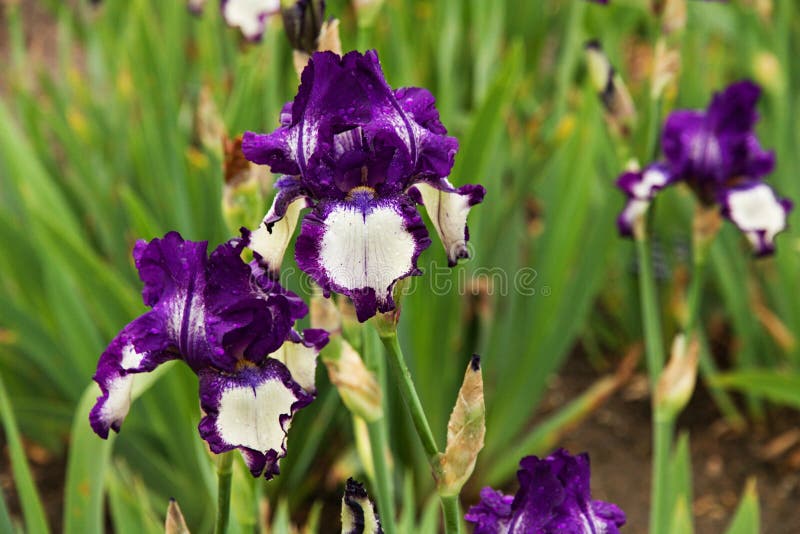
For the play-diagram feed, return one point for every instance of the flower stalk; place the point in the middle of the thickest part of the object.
(224, 475)
(387, 330)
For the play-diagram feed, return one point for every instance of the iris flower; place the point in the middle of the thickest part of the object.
(233, 326)
(717, 154)
(554, 497)
(362, 155)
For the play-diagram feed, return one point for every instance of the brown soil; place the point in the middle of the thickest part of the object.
(617, 437)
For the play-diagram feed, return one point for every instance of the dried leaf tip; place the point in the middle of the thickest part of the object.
(475, 362)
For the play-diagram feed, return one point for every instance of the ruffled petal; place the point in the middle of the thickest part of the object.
(758, 212)
(139, 348)
(361, 247)
(251, 410)
(348, 129)
(270, 240)
(492, 514)
(358, 511)
(250, 16)
(448, 209)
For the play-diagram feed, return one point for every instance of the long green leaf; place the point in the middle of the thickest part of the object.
(32, 509)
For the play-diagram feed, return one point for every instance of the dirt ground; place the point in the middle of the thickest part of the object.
(617, 436)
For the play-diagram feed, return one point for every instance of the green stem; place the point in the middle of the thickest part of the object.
(654, 348)
(651, 322)
(452, 514)
(411, 398)
(377, 438)
(224, 475)
(663, 428)
(450, 506)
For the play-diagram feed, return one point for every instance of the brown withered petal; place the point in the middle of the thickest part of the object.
(236, 166)
(465, 432)
(175, 523)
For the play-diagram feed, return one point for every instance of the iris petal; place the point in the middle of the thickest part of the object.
(361, 247)
(251, 410)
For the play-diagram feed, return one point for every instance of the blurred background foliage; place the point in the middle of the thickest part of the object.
(100, 145)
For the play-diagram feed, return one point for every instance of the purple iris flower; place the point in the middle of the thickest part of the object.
(717, 154)
(250, 16)
(362, 155)
(233, 326)
(554, 497)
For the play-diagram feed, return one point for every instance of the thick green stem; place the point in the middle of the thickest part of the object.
(452, 514)
(411, 398)
(224, 475)
(663, 428)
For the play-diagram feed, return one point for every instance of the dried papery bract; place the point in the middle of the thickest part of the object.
(673, 15)
(677, 381)
(357, 386)
(666, 65)
(465, 432)
(175, 523)
(245, 189)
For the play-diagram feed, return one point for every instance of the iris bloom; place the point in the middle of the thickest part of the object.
(553, 498)
(250, 16)
(362, 155)
(232, 325)
(717, 154)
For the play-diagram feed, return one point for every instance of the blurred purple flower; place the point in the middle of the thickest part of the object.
(362, 155)
(554, 497)
(717, 154)
(233, 326)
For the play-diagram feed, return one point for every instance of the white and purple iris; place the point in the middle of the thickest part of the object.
(554, 497)
(717, 154)
(362, 155)
(233, 326)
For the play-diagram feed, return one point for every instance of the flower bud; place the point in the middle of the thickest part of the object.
(302, 22)
(676, 383)
(620, 111)
(357, 386)
(465, 432)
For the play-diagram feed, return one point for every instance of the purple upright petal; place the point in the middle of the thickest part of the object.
(709, 149)
(554, 498)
